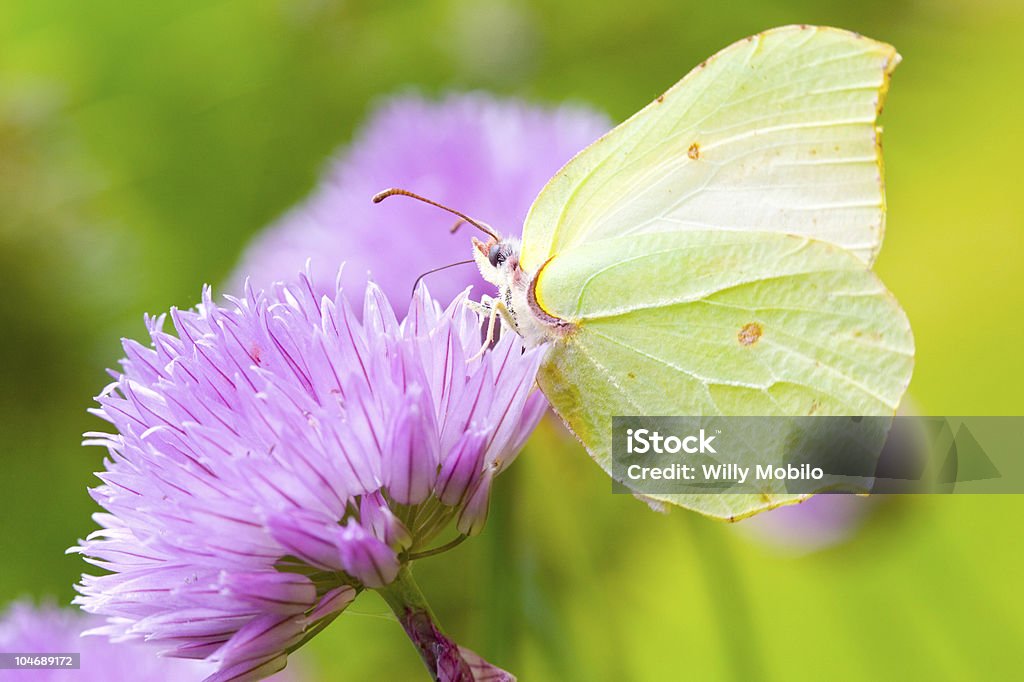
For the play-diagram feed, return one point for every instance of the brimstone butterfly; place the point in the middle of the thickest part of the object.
(712, 254)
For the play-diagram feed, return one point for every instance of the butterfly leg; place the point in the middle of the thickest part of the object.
(494, 308)
(481, 307)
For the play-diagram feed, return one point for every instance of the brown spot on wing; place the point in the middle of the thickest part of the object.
(694, 151)
(750, 333)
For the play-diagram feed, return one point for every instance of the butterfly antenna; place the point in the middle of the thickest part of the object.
(395, 191)
(430, 272)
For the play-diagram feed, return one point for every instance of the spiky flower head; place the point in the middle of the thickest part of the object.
(275, 455)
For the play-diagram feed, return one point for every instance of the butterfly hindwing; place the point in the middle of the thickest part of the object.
(714, 322)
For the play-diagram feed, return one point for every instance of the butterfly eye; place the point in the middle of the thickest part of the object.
(496, 255)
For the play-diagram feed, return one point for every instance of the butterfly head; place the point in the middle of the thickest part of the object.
(498, 259)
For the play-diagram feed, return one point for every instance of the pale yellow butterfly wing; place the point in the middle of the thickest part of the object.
(774, 133)
(722, 323)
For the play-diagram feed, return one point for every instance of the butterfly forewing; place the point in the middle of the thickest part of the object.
(774, 133)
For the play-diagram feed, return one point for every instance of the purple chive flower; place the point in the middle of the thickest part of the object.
(485, 156)
(275, 456)
(819, 522)
(25, 629)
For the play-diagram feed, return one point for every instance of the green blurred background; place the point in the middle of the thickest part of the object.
(142, 144)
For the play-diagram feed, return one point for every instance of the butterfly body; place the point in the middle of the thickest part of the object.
(516, 305)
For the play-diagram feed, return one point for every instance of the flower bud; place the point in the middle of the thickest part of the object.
(334, 601)
(257, 649)
(366, 557)
(473, 516)
(463, 466)
(410, 453)
(375, 514)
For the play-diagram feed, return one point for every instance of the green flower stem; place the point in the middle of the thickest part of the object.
(451, 544)
(438, 652)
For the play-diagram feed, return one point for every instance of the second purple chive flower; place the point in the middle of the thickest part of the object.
(276, 456)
